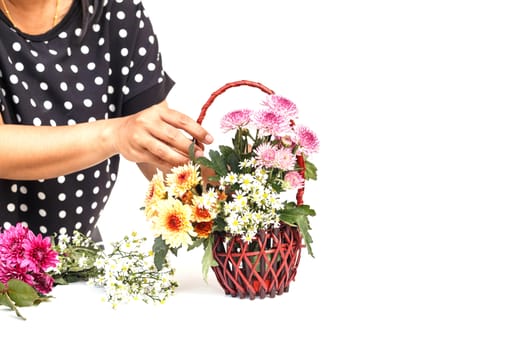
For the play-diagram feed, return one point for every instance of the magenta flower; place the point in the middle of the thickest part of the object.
(265, 155)
(39, 255)
(235, 119)
(271, 123)
(307, 140)
(43, 283)
(11, 243)
(294, 180)
(9, 272)
(281, 105)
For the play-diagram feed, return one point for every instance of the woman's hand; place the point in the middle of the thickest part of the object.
(159, 136)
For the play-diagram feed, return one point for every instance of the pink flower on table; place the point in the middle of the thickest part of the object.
(307, 140)
(294, 180)
(281, 105)
(11, 243)
(236, 119)
(43, 283)
(270, 123)
(15, 271)
(39, 254)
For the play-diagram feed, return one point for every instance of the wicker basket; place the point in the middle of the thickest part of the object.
(266, 265)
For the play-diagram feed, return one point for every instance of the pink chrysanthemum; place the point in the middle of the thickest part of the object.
(236, 119)
(281, 105)
(307, 140)
(294, 180)
(284, 159)
(271, 123)
(265, 155)
(16, 272)
(39, 255)
(12, 250)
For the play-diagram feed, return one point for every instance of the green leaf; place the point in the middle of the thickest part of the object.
(298, 216)
(23, 294)
(218, 163)
(310, 171)
(207, 259)
(5, 300)
(160, 250)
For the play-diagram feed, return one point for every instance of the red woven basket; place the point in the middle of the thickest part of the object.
(266, 265)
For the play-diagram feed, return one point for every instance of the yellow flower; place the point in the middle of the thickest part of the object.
(182, 179)
(156, 191)
(173, 223)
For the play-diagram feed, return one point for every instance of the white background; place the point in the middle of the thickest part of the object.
(420, 201)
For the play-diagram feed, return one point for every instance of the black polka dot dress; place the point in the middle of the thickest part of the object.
(56, 79)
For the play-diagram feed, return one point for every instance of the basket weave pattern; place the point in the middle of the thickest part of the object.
(264, 267)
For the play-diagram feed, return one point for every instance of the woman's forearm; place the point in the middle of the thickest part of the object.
(31, 153)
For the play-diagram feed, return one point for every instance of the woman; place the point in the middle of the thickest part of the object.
(81, 83)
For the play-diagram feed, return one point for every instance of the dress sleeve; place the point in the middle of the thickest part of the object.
(147, 82)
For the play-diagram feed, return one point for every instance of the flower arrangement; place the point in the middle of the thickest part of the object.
(25, 263)
(249, 189)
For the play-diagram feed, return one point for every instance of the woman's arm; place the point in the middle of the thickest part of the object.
(154, 136)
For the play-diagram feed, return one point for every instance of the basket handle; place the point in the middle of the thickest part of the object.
(221, 90)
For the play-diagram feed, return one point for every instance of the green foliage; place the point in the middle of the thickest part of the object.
(19, 294)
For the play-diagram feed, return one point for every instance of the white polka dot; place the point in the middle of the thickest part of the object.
(16, 46)
(62, 35)
(40, 67)
(88, 103)
(78, 226)
(71, 122)
(142, 51)
(78, 31)
(125, 90)
(52, 122)
(96, 174)
(13, 79)
(34, 53)
(61, 179)
(62, 197)
(37, 121)
(42, 213)
(84, 49)
(62, 214)
(124, 71)
(123, 33)
(79, 210)
(94, 205)
(23, 208)
(80, 177)
(101, 41)
(91, 66)
(44, 86)
(124, 52)
(23, 189)
(79, 193)
(74, 68)
(19, 66)
(14, 188)
(15, 99)
(96, 190)
(43, 229)
(99, 81)
(53, 52)
(11, 207)
(79, 86)
(104, 98)
(63, 86)
(151, 39)
(33, 102)
(151, 67)
(139, 78)
(41, 195)
(96, 27)
(48, 105)
(59, 68)
(68, 105)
